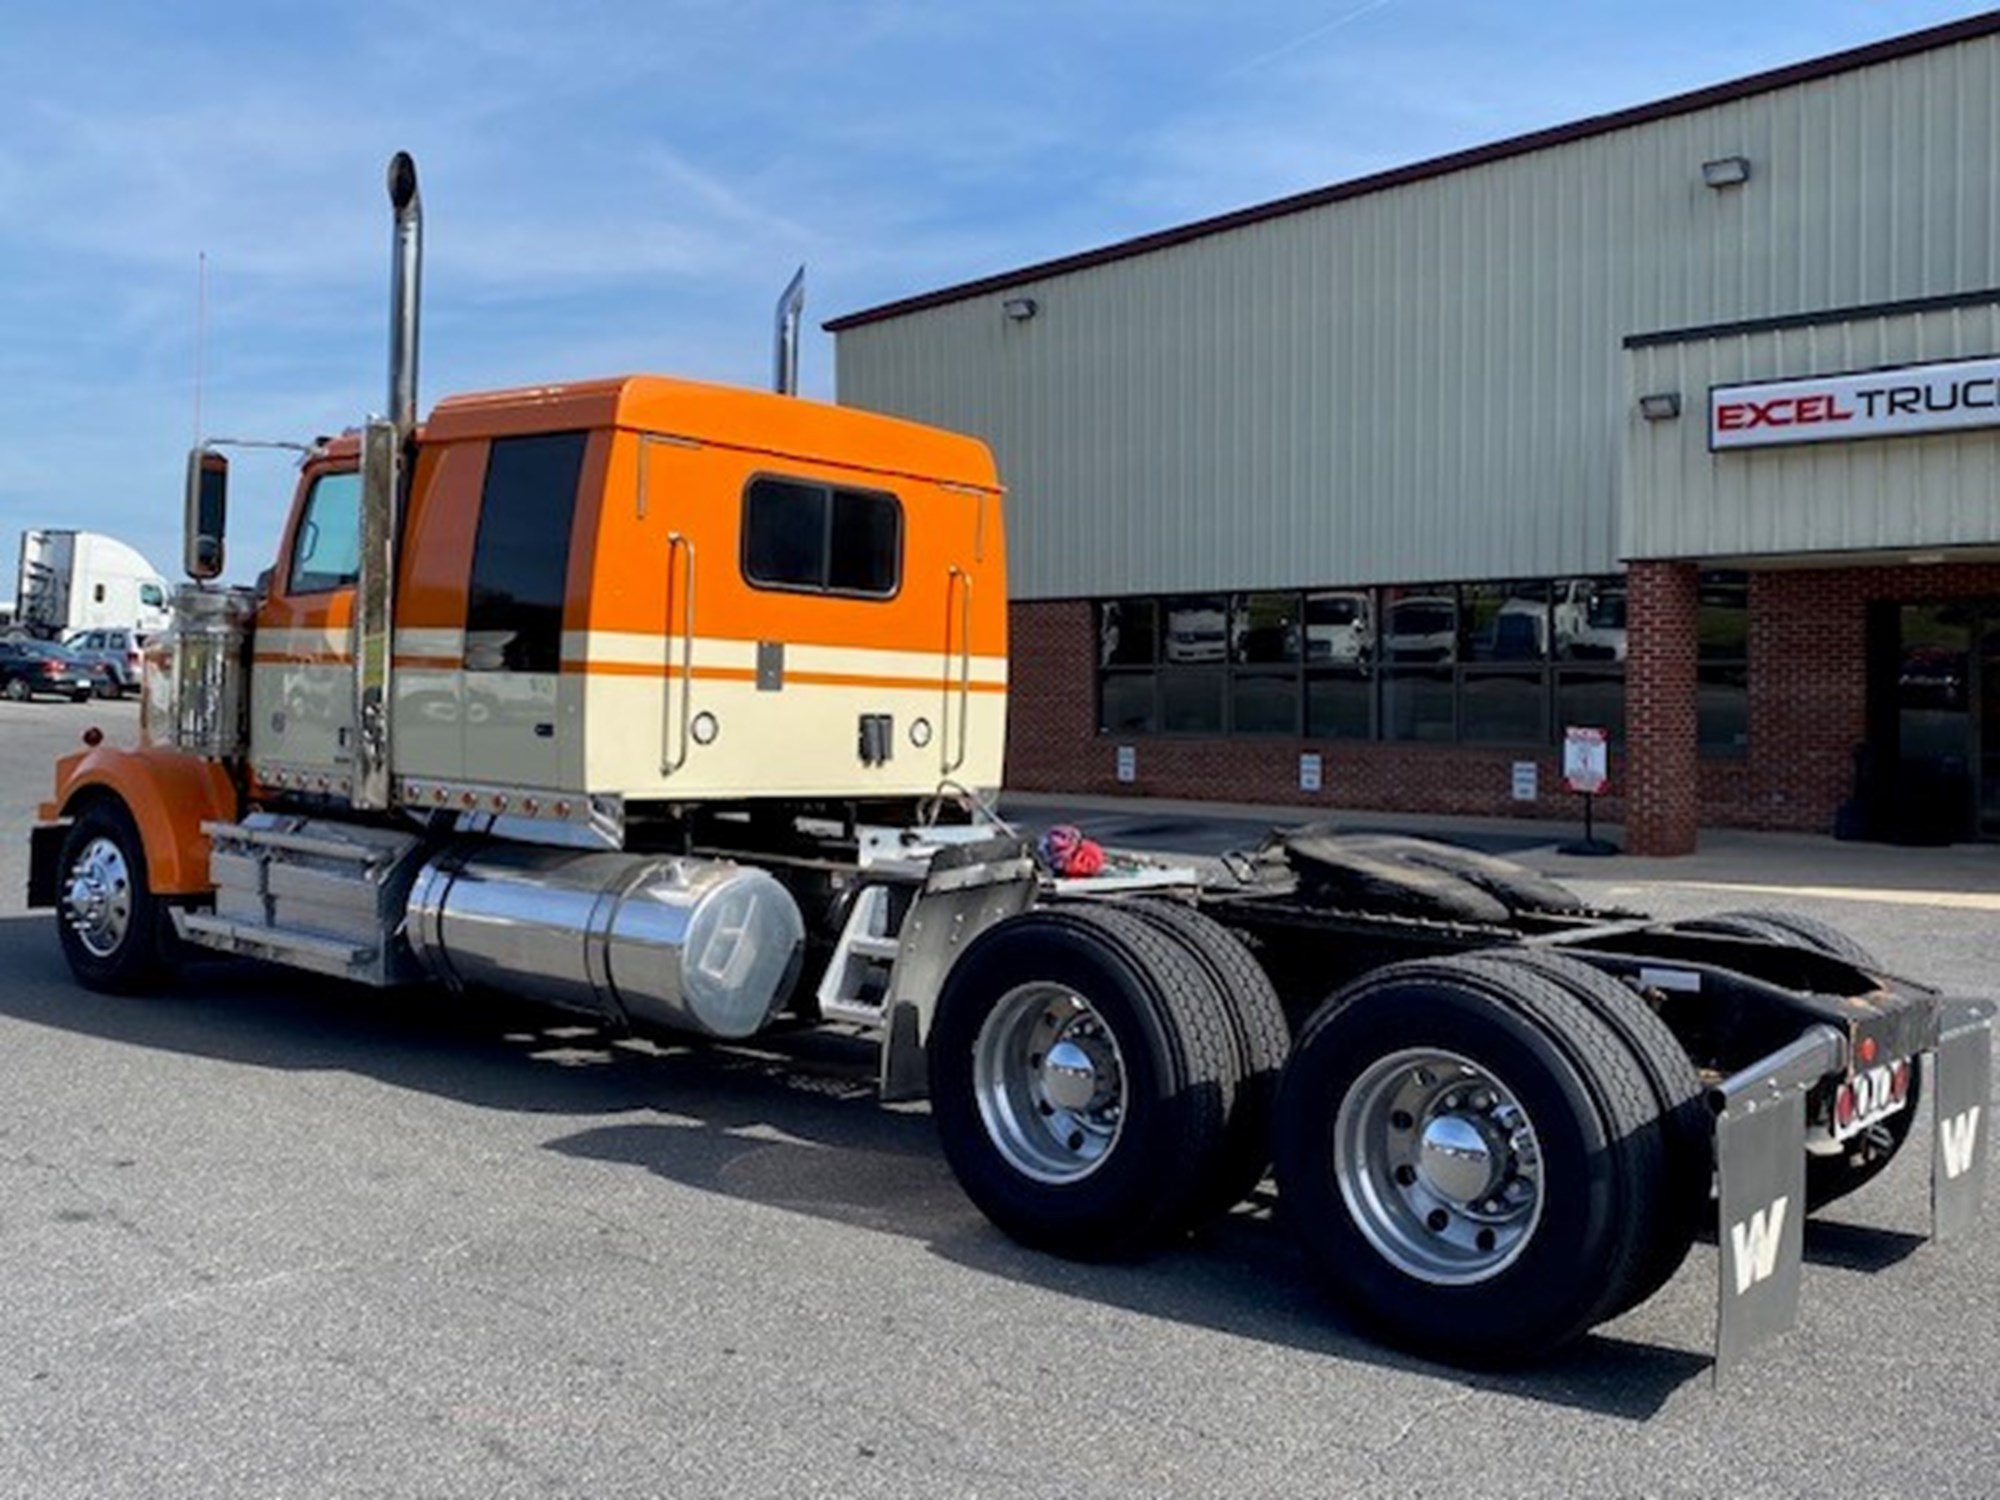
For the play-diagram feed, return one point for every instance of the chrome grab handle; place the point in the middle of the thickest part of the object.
(678, 543)
(959, 583)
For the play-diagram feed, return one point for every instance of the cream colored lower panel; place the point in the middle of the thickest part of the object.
(428, 739)
(301, 714)
(801, 741)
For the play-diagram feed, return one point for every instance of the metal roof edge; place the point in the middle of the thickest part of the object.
(1869, 54)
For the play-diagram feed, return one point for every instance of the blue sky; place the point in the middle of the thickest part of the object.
(616, 187)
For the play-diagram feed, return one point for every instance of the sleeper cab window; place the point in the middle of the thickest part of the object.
(822, 539)
(326, 550)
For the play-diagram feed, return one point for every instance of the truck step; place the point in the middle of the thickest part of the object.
(303, 950)
(855, 986)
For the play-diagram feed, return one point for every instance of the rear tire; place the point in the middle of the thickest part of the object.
(111, 925)
(1078, 1066)
(1788, 928)
(1471, 1158)
(1688, 1130)
(16, 690)
(1262, 1036)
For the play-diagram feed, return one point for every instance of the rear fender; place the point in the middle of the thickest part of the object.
(169, 795)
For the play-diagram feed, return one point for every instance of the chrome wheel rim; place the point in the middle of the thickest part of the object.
(98, 899)
(1439, 1166)
(1049, 1081)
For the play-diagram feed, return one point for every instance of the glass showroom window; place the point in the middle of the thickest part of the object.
(1194, 655)
(1127, 650)
(1266, 641)
(1722, 674)
(1503, 686)
(1588, 634)
(1419, 648)
(1340, 654)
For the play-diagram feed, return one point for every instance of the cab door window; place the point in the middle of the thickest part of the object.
(326, 549)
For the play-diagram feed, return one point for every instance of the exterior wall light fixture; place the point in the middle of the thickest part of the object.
(1020, 309)
(1661, 406)
(1726, 171)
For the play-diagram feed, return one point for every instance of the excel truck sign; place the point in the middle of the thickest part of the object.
(1902, 402)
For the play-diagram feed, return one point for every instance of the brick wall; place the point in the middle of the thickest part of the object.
(1808, 696)
(1663, 774)
(1809, 687)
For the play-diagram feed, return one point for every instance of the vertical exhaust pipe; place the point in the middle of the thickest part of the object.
(405, 293)
(785, 358)
(385, 460)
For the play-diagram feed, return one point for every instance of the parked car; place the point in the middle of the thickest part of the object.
(31, 667)
(122, 652)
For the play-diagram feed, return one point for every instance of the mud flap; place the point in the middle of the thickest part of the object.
(1760, 1157)
(968, 889)
(1962, 1092)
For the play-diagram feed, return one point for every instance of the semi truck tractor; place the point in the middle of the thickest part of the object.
(66, 581)
(680, 707)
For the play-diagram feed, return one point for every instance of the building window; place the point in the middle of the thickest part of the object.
(1506, 663)
(1722, 671)
(816, 539)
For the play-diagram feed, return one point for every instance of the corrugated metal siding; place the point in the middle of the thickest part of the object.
(1681, 500)
(1429, 382)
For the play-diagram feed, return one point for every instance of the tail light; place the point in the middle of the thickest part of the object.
(52, 669)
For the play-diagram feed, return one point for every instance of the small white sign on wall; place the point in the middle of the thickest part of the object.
(1527, 781)
(1128, 763)
(1309, 772)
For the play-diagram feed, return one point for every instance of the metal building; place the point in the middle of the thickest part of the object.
(1680, 423)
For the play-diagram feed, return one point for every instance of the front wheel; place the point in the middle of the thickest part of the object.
(110, 922)
(16, 690)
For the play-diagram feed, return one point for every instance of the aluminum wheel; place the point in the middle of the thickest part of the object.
(98, 899)
(1439, 1166)
(1049, 1082)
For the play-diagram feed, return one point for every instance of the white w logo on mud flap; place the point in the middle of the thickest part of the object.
(1957, 1136)
(1755, 1243)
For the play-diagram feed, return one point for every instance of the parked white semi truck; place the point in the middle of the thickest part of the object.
(671, 705)
(67, 581)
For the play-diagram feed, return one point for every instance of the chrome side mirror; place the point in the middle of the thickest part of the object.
(205, 514)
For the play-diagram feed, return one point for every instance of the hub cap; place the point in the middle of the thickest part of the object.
(98, 900)
(1049, 1082)
(1439, 1166)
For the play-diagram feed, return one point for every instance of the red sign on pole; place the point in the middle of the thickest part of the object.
(1586, 759)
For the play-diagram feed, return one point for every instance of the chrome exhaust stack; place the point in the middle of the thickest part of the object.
(385, 452)
(785, 356)
(405, 293)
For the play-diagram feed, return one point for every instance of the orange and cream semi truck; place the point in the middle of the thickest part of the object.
(679, 706)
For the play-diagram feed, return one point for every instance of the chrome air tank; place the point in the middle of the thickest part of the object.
(698, 945)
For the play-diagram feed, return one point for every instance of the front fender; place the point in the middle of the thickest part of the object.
(169, 794)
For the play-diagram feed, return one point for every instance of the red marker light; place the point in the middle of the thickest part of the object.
(1866, 1051)
(1899, 1081)
(1843, 1106)
(93, 736)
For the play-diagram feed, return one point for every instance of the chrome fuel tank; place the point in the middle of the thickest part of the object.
(697, 945)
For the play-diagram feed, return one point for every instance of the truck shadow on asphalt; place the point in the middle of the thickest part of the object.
(790, 1121)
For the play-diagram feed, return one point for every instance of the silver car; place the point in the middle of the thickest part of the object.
(119, 651)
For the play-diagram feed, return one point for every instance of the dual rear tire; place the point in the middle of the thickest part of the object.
(1481, 1156)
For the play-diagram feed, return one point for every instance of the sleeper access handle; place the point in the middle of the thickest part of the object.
(958, 586)
(670, 734)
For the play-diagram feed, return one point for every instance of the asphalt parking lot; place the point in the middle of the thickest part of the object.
(267, 1236)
